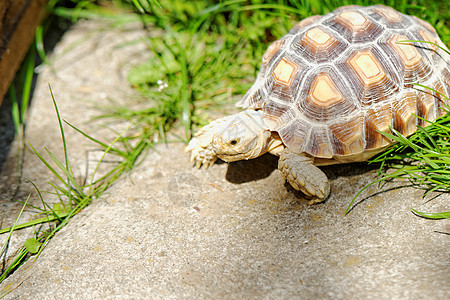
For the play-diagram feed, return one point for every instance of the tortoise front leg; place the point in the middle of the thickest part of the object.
(299, 171)
(200, 146)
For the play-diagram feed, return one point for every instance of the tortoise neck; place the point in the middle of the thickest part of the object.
(275, 145)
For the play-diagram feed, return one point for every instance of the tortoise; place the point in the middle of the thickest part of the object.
(327, 88)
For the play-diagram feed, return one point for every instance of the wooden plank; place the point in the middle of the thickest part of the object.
(18, 22)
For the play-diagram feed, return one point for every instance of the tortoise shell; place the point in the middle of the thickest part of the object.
(333, 81)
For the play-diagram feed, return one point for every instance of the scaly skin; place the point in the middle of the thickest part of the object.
(245, 136)
(200, 146)
(236, 137)
(303, 176)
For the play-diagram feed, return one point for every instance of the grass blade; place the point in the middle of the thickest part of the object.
(60, 127)
(46, 219)
(29, 72)
(72, 181)
(47, 165)
(11, 229)
(434, 216)
(103, 145)
(425, 42)
(15, 112)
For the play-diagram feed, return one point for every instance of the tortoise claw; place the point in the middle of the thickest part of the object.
(201, 154)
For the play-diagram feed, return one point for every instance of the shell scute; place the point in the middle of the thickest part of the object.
(324, 92)
(389, 17)
(285, 80)
(347, 136)
(272, 52)
(426, 107)
(277, 114)
(317, 44)
(354, 26)
(425, 35)
(407, 58)
(318, 144)
(284, 71)
(425, 24)
(326, 97)
(404, 109)
(439, 94)
(295, 133)
(304, 23)
(372, 77)
(377, 118)
(445, 76)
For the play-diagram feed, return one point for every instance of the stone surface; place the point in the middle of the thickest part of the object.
(85, 74)
(168, 230)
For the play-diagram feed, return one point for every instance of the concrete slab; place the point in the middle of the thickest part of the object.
(168, 230)
(88, 69)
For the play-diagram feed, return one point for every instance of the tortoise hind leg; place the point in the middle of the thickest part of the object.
(300, 172)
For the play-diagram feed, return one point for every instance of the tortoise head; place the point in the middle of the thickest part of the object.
(241, 136)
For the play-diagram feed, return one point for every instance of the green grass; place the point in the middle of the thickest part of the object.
(202, 57)
(423, 159)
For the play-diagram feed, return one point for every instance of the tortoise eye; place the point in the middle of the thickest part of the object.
(233, 142)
